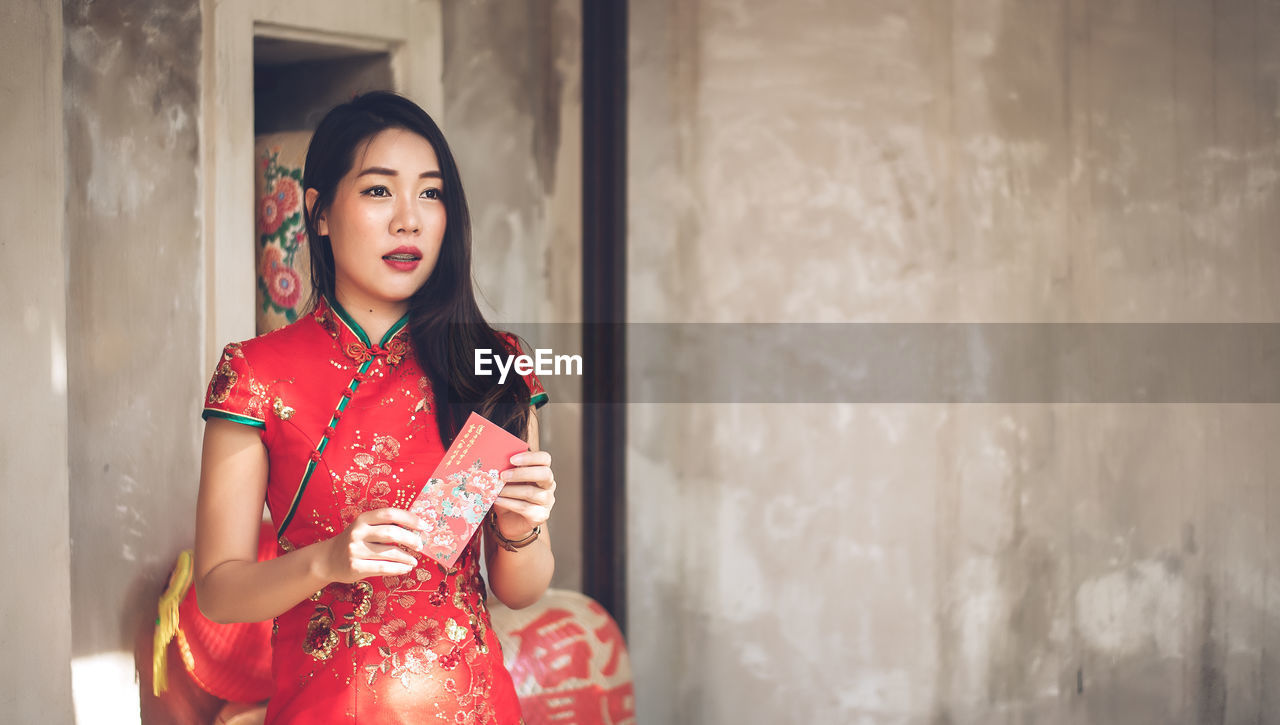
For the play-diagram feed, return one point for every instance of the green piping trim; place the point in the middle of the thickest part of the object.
(539, 400)
(293, 507)
(400, 325)
(349, 322)
(358, 331)
(323, 444)
(233, 417)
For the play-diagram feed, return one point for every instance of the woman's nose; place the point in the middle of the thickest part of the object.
(406, 217)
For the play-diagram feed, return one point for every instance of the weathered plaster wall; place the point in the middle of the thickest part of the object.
(513, 109)
(966, 161)
(134, 321)
(35, 612)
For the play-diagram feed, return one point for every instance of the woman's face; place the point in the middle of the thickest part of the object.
(386, 222)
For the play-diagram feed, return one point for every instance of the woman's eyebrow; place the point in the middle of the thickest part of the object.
(384, 171)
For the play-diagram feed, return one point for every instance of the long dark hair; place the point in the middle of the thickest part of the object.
(445, 323)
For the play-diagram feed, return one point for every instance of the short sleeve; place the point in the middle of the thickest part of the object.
(234, 394)
(537, 394)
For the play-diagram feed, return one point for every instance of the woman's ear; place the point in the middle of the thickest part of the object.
(322, 226)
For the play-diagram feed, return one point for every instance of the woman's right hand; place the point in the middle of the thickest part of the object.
(371, 546)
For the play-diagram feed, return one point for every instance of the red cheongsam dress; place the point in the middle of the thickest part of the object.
(349, 427)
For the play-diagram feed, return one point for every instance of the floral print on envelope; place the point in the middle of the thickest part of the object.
(454, 510)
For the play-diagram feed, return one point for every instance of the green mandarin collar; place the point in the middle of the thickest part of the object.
(353, 328)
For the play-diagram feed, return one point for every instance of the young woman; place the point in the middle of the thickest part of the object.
(337, 420)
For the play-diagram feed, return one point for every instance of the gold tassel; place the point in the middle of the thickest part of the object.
(167, 621)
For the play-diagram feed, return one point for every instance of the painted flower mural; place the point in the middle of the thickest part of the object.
(285, 287)
(284, 264)
(270, 258)
(280, 203)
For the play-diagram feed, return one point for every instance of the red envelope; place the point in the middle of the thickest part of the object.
(464, 486)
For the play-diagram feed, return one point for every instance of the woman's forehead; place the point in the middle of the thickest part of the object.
(396, 148)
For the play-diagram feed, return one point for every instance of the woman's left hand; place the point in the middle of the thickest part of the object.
(525, 502)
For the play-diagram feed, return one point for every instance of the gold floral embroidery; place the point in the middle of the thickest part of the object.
(321, 637)
(361, 594)
(258, 396)
(398, 632)
(223, 382)
(424, 389)
(282, 411)
(325, 320)
(471, 600)
(360, 638)
(369, 484)
(417, 633)
(476, 701)
(386, 447)
(226, 377)
(363, 598)
(416, 660)
(455, 631)
(423, 634)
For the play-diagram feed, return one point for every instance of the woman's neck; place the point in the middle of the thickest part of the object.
(374, 317)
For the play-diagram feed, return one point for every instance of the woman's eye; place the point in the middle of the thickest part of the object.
(377, 191)
(431, 193)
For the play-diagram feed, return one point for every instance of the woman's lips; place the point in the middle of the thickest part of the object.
(405, 259)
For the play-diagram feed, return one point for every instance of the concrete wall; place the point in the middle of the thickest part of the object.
(135, 323)
(513, 117)
(35, 616)
(827, 161)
